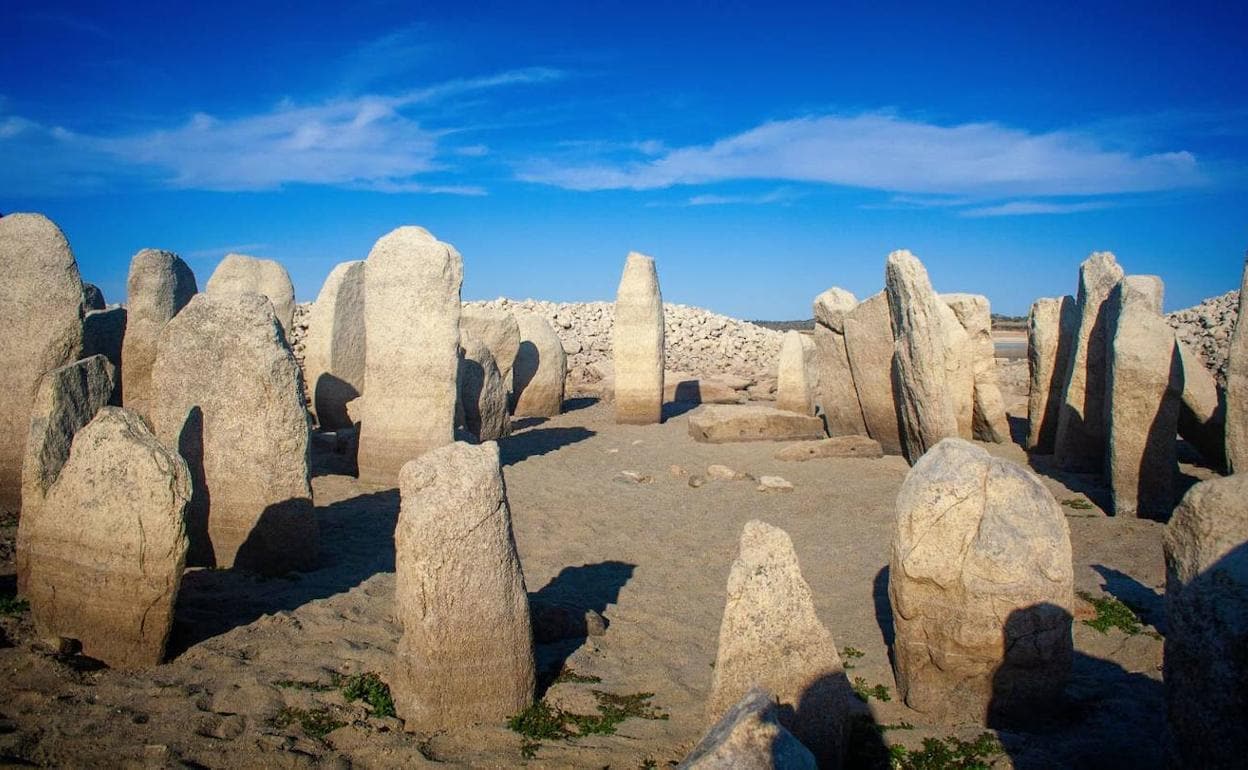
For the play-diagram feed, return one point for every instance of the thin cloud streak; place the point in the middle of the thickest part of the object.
(1026, 208)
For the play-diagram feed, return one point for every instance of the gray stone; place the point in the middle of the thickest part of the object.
(159, 285)
(796, 376)
(103, 334)
(482, 394)
(92, 297)
(869, 345)
(1051, 327)
(1202, 409)
(834, 390)
(1237, 387)
(335, 345)
(837, 446)
(727, 424)
(241, 274)
(540, 370)
(637, 343)
(974, 313)
(499, 330)
(749, 736)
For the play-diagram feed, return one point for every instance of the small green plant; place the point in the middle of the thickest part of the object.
(528, 749)
(543, 722)
(1111, 613)
(315, 723)
(851, 653)
(948, 754)
(13, 607)
(300, 684)
(566, 674)
(369, 688)
(649, 764)
(865, 693)
(540, 721)
(1078, 503)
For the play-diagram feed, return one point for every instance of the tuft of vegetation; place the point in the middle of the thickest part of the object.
(865, 693)
(301, 684)
(12, 607)
(948, 754)
(369, 688)
(1111, 613)
(543, 722)
(903, 725)
(528, 749)
(315, 723)
(848, 654)
(1078, 503)
(566, 674)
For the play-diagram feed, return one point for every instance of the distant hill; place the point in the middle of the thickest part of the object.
(783, 326)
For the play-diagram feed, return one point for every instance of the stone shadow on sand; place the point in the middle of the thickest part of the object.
(883, 609)
(581, 402)
(1144, 601)
(538, 441)
(213, 601)
(567, 598)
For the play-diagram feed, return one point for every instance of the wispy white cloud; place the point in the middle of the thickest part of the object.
(711, 199)
(1020, 208)
(221, 251)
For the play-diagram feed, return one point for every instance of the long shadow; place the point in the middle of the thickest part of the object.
(335, 453)
(1147, 603)
(883, 609)
(677, 408)
(539, 441)
(581, 402)
(330, 396)
(1091, 485)
(213, 601)
(1018, 429)
(563, 603)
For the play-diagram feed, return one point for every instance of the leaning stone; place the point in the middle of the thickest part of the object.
(1144, 384)
(466, 654)
(68, 399)
(974, 313)
(241, 274)
(837, 446)
(637, 343)
(411, 315)
(795, 378)
(725, 424)
(92, 297)
(1202, 409)
(980, 583)
(771, 637)
(1237, 387)
(833, 382)
(335, 345)
(482, 394)
(1050, 334)
(540, 370)
(1205, 669)
(1080, 441)
(749, 736)
(226, 396)
(159, 285)
(925, 403)
(832, 306)
(103, 334)
(109, 546)
(869, 344)
(499, 330)
(41, 315)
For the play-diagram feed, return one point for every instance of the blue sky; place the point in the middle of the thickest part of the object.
(762, 152)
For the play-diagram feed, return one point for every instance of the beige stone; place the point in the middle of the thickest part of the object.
(726, 424)
(466, 654)
(226, 396)
(689, 388)
(68, 398)
(1202, 408)
(637, 343)
(1050, 334)
(774, 484)
(1144, 385)
(833, 385)
(1205, 670)
(499, 330)
(108, 548)
(411, 317)
(335, 345)
(241, 274)
(540, 370)
(749, 736)
(718, 472)
(158, 286)
(989, 421)
(103, 333)
(837, 446)
(41, 313)
(795, 377)
(1237, 386)
(771, 637)
(482, 395)
(1080, 441)
(980, 583)
(959, 369)
(869, 345)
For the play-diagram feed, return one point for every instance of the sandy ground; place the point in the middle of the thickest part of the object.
(653, 558)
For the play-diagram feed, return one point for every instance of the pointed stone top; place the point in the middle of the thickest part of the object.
(832, 306)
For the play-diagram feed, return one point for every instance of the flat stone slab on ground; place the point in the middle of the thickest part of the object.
(837, 446)
(726, 424)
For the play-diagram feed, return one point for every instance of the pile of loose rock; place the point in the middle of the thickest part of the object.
(1207, 329)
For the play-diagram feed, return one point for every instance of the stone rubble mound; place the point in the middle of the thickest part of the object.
(1207, 328)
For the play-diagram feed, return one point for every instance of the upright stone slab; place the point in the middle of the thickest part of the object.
(1144, 376)
(771, 637)
(980, 582)
(796, 377)
(158, 286)
(974, 313)
(333, 359)
(103, 334)
(835, 393)
(637, 343)
(241, 274)
(1205, 668)
(92, 298)
(541, 368)
(498, 330)
(1237, 387)
(959, 369)
(108, 548)
(482, 395)
(41, 316)
(750, 737)
(925, 405)
(1050, 334)
(226, 396)
(466, 654)
(869, 345)
(1080, 441)
(411, 319)
(68, 398)
(1202, 409)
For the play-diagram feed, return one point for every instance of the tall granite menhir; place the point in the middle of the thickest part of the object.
(41, 314)
(335, 346)
(158, 286)
(540, 370)
(835, 393)
(1050, 332)
(637, 342)
(240, 274)
(411, 320)
(869, 344)
(1237, 387)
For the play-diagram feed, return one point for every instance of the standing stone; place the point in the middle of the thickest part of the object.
(1202, 409)
(834, 389)
(333, 361)
(959, 368)
(68, 398)
(92, 297)
(1144, 384)
(749, 737)
(541, 368)
(411, 319)
(41, 317)
(771, 638)
(482, 395)
(795, 377)
(1205, 668)
(1237, 387)
(466, 654)
(225, 394)
(103, 334)
(869, 344)
(637, 343)
(980, 583)
(159, 285)
(1050, 334)
(974, 314)
(498, 330)
(108, 548)
(1080, 441)
(241, 274)
(925, 405)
